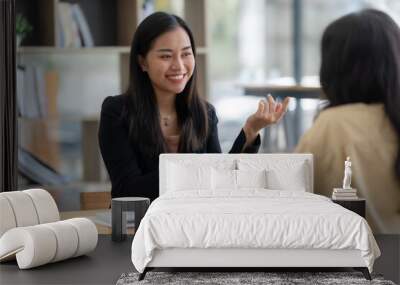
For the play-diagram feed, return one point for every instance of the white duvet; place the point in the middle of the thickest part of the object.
(250, 219)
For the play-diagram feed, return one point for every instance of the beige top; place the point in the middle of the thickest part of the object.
(364, 133)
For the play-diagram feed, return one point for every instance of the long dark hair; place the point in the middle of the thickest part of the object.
(361, 63)
(141, 108)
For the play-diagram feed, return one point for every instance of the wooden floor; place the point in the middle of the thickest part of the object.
(110, 260)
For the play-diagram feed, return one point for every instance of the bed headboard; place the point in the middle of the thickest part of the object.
(214, 159)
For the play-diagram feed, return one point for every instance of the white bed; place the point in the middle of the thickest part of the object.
(203, 220)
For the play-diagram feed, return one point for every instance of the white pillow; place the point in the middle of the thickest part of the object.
(293, 181)
(200, 160)
(235, 179)
(181, 177)
(282, 174)
(223, 179)
(251, 178)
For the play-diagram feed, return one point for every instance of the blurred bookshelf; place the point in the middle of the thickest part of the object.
(63, 77)
(59, 50)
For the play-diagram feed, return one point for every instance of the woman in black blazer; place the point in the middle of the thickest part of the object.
(162, 112)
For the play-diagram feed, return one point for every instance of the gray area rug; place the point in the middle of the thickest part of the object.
(273, 278)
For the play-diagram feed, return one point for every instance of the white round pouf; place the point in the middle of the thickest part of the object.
(7, 216)
(45, 205)
(33, 246)
(23, 208)
(67, 239)
(87, 235)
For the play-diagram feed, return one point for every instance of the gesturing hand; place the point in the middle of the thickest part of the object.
(269, 112)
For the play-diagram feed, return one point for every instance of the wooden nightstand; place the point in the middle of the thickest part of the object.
(356, 205)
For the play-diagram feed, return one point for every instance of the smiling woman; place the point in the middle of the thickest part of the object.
(170, 63)
(161, 111)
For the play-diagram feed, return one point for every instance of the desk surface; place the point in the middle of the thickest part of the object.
(101, 228)
(91, 214)
(296, 91)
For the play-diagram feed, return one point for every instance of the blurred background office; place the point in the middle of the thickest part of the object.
(72, 54)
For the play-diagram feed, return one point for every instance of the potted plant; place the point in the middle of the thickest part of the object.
(22, 28)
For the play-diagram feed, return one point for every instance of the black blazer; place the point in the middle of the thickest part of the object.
(130, 173)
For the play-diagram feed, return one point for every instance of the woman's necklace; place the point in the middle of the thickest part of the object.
(166, 120)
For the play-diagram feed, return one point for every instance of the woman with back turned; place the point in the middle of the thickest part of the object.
(360, 76)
